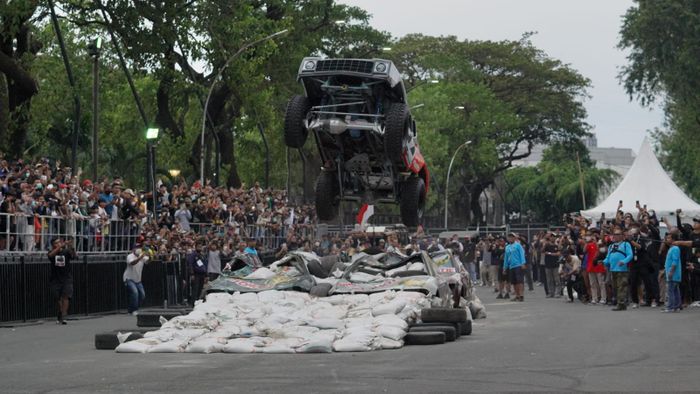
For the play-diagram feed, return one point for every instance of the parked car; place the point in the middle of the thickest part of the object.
(358, 113)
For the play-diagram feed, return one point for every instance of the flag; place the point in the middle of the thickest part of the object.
(365, 213)
(290, 220)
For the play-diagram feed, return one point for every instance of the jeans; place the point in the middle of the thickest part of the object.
(471, 268)
(553, 281)
(135, 293)
(674, 295)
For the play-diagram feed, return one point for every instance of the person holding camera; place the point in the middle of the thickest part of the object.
(617, 261)
(61, 280)
(132, 278)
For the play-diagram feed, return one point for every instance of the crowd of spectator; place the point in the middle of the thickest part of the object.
(41, 200)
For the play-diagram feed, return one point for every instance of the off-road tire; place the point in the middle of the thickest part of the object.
(424, 338)
(109, 340)
(152, 318)
(457, 326)
(295, 132)
(465, 327)
(326, 196)
(446, 315)
(396, 125)
(316, 269)
(320, 290)
(448, 328)
(412, 201)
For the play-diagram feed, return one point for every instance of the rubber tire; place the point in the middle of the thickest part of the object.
(316, 269)
(326, 196)
(329, 262)
(449, 330)
(412, 201)
(465, 327)
(152, 319)
(397, 121)
(458, 326)
(424, 338)
(320, 290)
(446, 315)
(295, 132)
(109, 340)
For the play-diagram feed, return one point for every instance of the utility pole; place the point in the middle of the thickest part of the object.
(94, 50)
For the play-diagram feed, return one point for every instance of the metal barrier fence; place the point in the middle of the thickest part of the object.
(23, 233)
(97, 283)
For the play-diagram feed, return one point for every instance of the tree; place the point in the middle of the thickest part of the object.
(553, 187)
(664, 42)
(504, 96)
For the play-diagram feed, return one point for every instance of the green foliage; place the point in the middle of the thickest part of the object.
(552, 188)
(664, 41)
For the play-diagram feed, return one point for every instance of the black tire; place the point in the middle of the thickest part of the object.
(424, 338)
(457, 326)
(320, 290)
(152, 319)
(329, 262)
(412, 201)
(447, 315)
(396, 125)
(110, 341)
(449, 330)
(466, 327)
(316, 269)
(327, 196)
(295, 132)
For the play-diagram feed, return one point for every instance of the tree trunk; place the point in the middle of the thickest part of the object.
(4, 113)
(475, 192)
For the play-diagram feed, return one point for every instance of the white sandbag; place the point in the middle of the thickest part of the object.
(392, 307)
(326, 323)
(349, 345)
(477, 308)
(261, 273)
(302, 332)
(390, 320)
(173, 346)
(317, 345)
(381, 298)
(290, 295)
(206, 345)
(332, 312)
(278, 348)
(137, 346)
(244, 298)
(271, 296)
(387, 343)
(359, 322)
(218, 298)
(240, 345)
(391, 332)
(247, 332)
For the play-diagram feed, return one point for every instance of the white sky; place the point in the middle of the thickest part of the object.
(581, 33)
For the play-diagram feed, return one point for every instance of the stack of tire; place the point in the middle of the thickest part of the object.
(151, 317)
(109, 340)
(439, 325)
(146, 320)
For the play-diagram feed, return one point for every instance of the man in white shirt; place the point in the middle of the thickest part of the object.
(132, 278)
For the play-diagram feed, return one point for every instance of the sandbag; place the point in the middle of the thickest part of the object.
(387, 343)
(174, 346)
(137, 346)
(316, 345)
(240, 345)
(391, 332)
(392, 307)
(207, 345)
(390, 320)
(326, 323)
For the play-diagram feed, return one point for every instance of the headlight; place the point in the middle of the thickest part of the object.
(380, 67)
(309, 65)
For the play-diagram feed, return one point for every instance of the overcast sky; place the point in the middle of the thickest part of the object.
(583, 34)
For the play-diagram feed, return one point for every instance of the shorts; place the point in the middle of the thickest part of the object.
(517, 276)
(60, 289)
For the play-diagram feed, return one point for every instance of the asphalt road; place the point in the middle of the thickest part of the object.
(539, 345)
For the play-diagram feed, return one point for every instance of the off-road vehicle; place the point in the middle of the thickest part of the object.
(359, 116)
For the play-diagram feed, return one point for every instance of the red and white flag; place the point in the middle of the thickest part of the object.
(365, 213)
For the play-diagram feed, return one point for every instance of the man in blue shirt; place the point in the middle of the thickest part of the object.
(617, 260)
(673, 277)
(514, 264)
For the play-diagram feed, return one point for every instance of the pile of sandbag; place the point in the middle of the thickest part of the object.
(286, 322)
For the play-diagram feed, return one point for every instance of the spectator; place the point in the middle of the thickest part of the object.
(61, 279)
(673, 277)
(570, 269)
(132, 278)
(514, 265)
(619, 255)
(197, 267)
(551, 265)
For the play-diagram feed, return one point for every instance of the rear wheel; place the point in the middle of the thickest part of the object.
(412, 201)
(327, 196)
(295, 131)
(396, 131)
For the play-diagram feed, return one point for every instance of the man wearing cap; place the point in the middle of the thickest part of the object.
(617, 260)
(132, 278)
(692, 243)
(513, 264)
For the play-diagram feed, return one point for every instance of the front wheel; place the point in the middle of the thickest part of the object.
(295, 131)
(396, 131)
(327, 196)
(412, 201)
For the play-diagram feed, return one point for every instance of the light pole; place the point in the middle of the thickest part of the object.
(211, 90)
(447, 181)
(94, 51)
(151, 139)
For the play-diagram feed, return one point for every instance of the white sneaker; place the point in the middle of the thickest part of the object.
(634, 306)
(593, 302)
(654, 304)
(134, 313)
(695, 304)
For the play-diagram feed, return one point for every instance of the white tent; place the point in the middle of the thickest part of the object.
(646, 182)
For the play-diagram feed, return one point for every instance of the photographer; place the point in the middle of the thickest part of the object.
(641, 268)
(132, 277)
(61, 280)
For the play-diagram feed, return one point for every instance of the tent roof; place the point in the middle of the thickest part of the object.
(646, 182)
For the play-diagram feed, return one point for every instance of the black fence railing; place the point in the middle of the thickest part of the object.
(97, 283)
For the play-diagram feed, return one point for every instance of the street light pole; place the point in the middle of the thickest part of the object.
(211, 90)
(447, 181)
(94, 51)
(151, 140)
